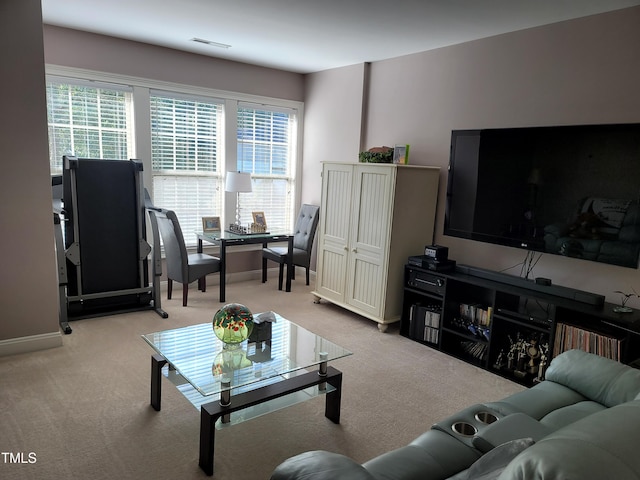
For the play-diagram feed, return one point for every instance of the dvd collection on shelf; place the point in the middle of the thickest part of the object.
(569, 337)
(473, 320)
(476, 314)
(475, 349)
(424, 322)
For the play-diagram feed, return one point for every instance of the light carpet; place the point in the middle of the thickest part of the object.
(82, 410)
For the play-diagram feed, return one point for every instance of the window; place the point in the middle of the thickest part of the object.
(181, 142)
(87, 120)
(185, 157)
(267, 149)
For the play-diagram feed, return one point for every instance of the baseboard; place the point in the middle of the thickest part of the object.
(33, 343)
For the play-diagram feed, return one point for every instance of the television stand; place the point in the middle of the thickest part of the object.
(508, 325)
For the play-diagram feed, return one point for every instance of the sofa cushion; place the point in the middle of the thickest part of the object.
(434, 455)
(597, 378)
(603, 445)
(564, 416)
(539, 400)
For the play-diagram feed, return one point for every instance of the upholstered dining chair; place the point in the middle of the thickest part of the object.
(181, 266)
(303, 235)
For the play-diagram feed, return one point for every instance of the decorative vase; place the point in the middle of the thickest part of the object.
(233, 323)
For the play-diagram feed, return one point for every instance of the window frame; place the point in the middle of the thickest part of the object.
(141, 137)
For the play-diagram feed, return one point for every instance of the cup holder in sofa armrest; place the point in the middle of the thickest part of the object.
(486, 417)
(468, 422)
(511, 427)
(465, 429)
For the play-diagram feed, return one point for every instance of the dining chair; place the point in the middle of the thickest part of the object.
(303, 235)
(181, 266)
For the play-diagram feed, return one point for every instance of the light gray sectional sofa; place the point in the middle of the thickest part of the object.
(582, 423)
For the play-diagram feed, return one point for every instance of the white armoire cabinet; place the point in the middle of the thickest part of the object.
(372, 218)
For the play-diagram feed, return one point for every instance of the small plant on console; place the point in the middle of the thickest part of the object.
(624, 298)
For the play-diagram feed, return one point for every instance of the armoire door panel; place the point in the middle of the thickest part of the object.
(337, 197)
(372, 221)
(334, 228)
(332, 281)
(365, 289)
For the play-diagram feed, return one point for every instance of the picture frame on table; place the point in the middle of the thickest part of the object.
(210, 224)
(401, 154)
(259, 219)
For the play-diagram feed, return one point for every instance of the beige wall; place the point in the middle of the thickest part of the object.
(580, 71)
(333, 122)
(28, 282)
(72, 48)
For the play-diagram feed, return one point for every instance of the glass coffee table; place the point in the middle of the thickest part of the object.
(234, 384)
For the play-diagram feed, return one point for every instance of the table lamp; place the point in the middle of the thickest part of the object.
(238, 182)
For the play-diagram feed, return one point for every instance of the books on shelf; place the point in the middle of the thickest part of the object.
(570, 337)
(424, 322)
(475, 314)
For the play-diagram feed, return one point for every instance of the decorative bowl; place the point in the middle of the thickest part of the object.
(233, 323)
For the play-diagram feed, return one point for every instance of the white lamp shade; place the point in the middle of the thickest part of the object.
(238, 182)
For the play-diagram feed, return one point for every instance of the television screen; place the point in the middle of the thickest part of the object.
(566, 190)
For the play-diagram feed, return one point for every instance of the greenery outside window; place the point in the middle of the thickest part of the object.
(88, 120)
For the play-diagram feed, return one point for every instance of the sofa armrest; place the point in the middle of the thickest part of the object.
(511, 427)
(320, 465)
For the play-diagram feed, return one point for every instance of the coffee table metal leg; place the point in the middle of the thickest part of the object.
(225, 398)
(157, 362)
(322, 370)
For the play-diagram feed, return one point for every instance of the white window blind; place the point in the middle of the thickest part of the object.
(88, 120)
(186, 139)
(267, 150)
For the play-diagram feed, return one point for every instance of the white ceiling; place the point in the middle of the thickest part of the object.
(307, 36)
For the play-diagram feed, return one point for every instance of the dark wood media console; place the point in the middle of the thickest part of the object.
(509, 329)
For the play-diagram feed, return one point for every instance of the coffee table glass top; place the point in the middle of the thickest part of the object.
(201, 358)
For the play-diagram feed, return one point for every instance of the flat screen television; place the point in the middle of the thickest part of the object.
(565, 190)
